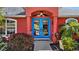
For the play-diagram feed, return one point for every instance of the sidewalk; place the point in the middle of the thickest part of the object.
(42, 46)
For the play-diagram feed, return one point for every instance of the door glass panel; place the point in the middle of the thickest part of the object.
(45, 27)
(36, 27)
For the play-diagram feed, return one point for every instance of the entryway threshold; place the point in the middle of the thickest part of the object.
(41, 45)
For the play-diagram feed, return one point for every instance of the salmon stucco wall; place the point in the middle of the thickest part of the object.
(61, 20)
(21, 25)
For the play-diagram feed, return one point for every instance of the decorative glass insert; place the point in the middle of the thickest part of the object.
(45, 27)
(36, 27)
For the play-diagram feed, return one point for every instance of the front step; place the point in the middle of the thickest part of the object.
(42, 45)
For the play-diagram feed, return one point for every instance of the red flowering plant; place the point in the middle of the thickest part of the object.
(20, 42)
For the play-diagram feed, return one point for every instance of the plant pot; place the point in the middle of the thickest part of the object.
(55, 47)
(32, 48)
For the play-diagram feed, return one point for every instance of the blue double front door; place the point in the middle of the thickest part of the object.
(41, 27)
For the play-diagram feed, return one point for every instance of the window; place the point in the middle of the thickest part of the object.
(71, 19)
(10, 27)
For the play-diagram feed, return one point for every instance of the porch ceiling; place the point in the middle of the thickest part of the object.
(14, 11)
(68, 12)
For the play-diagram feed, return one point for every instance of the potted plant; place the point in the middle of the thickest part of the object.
(67, 31)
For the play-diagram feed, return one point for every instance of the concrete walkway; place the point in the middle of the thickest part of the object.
(42, 45)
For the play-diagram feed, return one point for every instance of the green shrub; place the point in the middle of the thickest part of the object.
(3, 45)
(69, 44)
(67, 31)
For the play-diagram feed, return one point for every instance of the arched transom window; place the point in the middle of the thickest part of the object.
(70, 19)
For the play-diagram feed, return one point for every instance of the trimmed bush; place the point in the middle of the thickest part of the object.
(20, 42)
